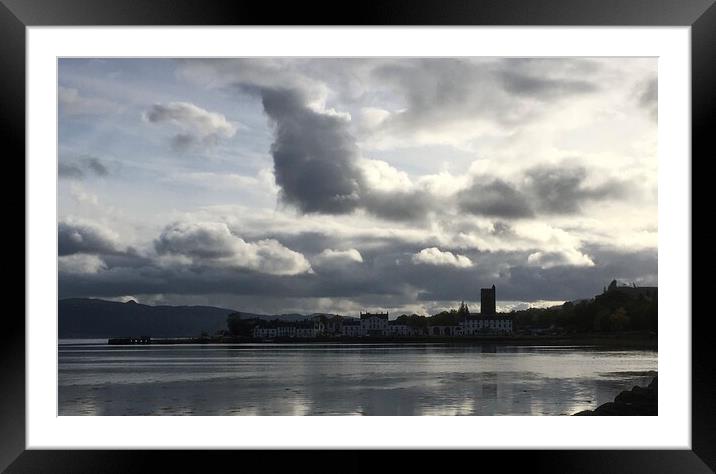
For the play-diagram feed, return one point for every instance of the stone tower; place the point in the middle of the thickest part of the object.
(487, 301)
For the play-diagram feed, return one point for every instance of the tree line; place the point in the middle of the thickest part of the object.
(611, 311)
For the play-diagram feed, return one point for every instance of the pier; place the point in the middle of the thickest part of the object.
(129, 340)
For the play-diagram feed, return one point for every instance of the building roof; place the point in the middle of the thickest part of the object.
(374, 315)
(275, 324)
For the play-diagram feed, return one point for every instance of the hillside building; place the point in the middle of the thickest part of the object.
(648, 292)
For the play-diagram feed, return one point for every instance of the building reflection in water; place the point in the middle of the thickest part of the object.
(346, 380)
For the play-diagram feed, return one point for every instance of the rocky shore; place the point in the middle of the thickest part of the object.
(639, 401)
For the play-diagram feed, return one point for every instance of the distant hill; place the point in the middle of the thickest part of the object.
(95, 318)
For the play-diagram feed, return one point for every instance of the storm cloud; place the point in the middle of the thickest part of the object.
(73, 238)
(314, 155)
(541, 190)
(391, 276)
(316, 164)
(340, 185)
(496, 198)
(563, 189)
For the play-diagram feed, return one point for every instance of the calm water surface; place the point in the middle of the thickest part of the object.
(342, 379)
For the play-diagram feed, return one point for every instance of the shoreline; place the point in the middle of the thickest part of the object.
(639, 401)
(627, 341)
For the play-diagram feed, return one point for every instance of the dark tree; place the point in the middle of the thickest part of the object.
(238, 326)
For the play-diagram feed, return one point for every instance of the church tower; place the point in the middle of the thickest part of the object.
(487, 301)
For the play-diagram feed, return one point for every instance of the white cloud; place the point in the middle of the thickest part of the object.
(570, 257)
(435, 256)
(330, 256)
(80, 263)
(212, 243)
(196, 124)
(381, 176)
(80, 194)
(78, 236)
(372, 117)
(427, 133)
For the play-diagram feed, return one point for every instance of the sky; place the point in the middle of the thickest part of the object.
(339, 185)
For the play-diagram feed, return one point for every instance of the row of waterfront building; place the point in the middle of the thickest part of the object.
(488, 322)
(378, 325)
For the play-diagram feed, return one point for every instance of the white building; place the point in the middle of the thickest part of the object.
(351, 328)
(478, 326)
(374, 324)
(333, 326)
(307, 329)
(274, 329)
(377, 324)
(443, 330)
(319, 325)
(265, 332)
(286, 331)
(399, 329)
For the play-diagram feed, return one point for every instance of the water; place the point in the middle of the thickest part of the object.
(342, 379)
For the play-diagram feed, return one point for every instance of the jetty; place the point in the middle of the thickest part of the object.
(123, 341)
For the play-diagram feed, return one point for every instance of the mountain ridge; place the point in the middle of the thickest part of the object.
(94, 318)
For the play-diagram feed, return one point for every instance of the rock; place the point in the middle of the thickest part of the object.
(639, 401)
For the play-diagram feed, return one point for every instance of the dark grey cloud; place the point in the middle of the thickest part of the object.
(430, 92)
(315, 166)
(557, 190)
(398, 206)
(562, 190)
(319, 169)
(82, 167)
(75, 238)
(517, 82)
(495, 198)
(569, 282)
(386, 274)
(314, 155)
(540, 190)
(442, 90)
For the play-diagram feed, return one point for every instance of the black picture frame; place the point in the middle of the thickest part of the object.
(16, 15)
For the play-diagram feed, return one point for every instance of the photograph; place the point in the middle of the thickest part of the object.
(335, 236)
